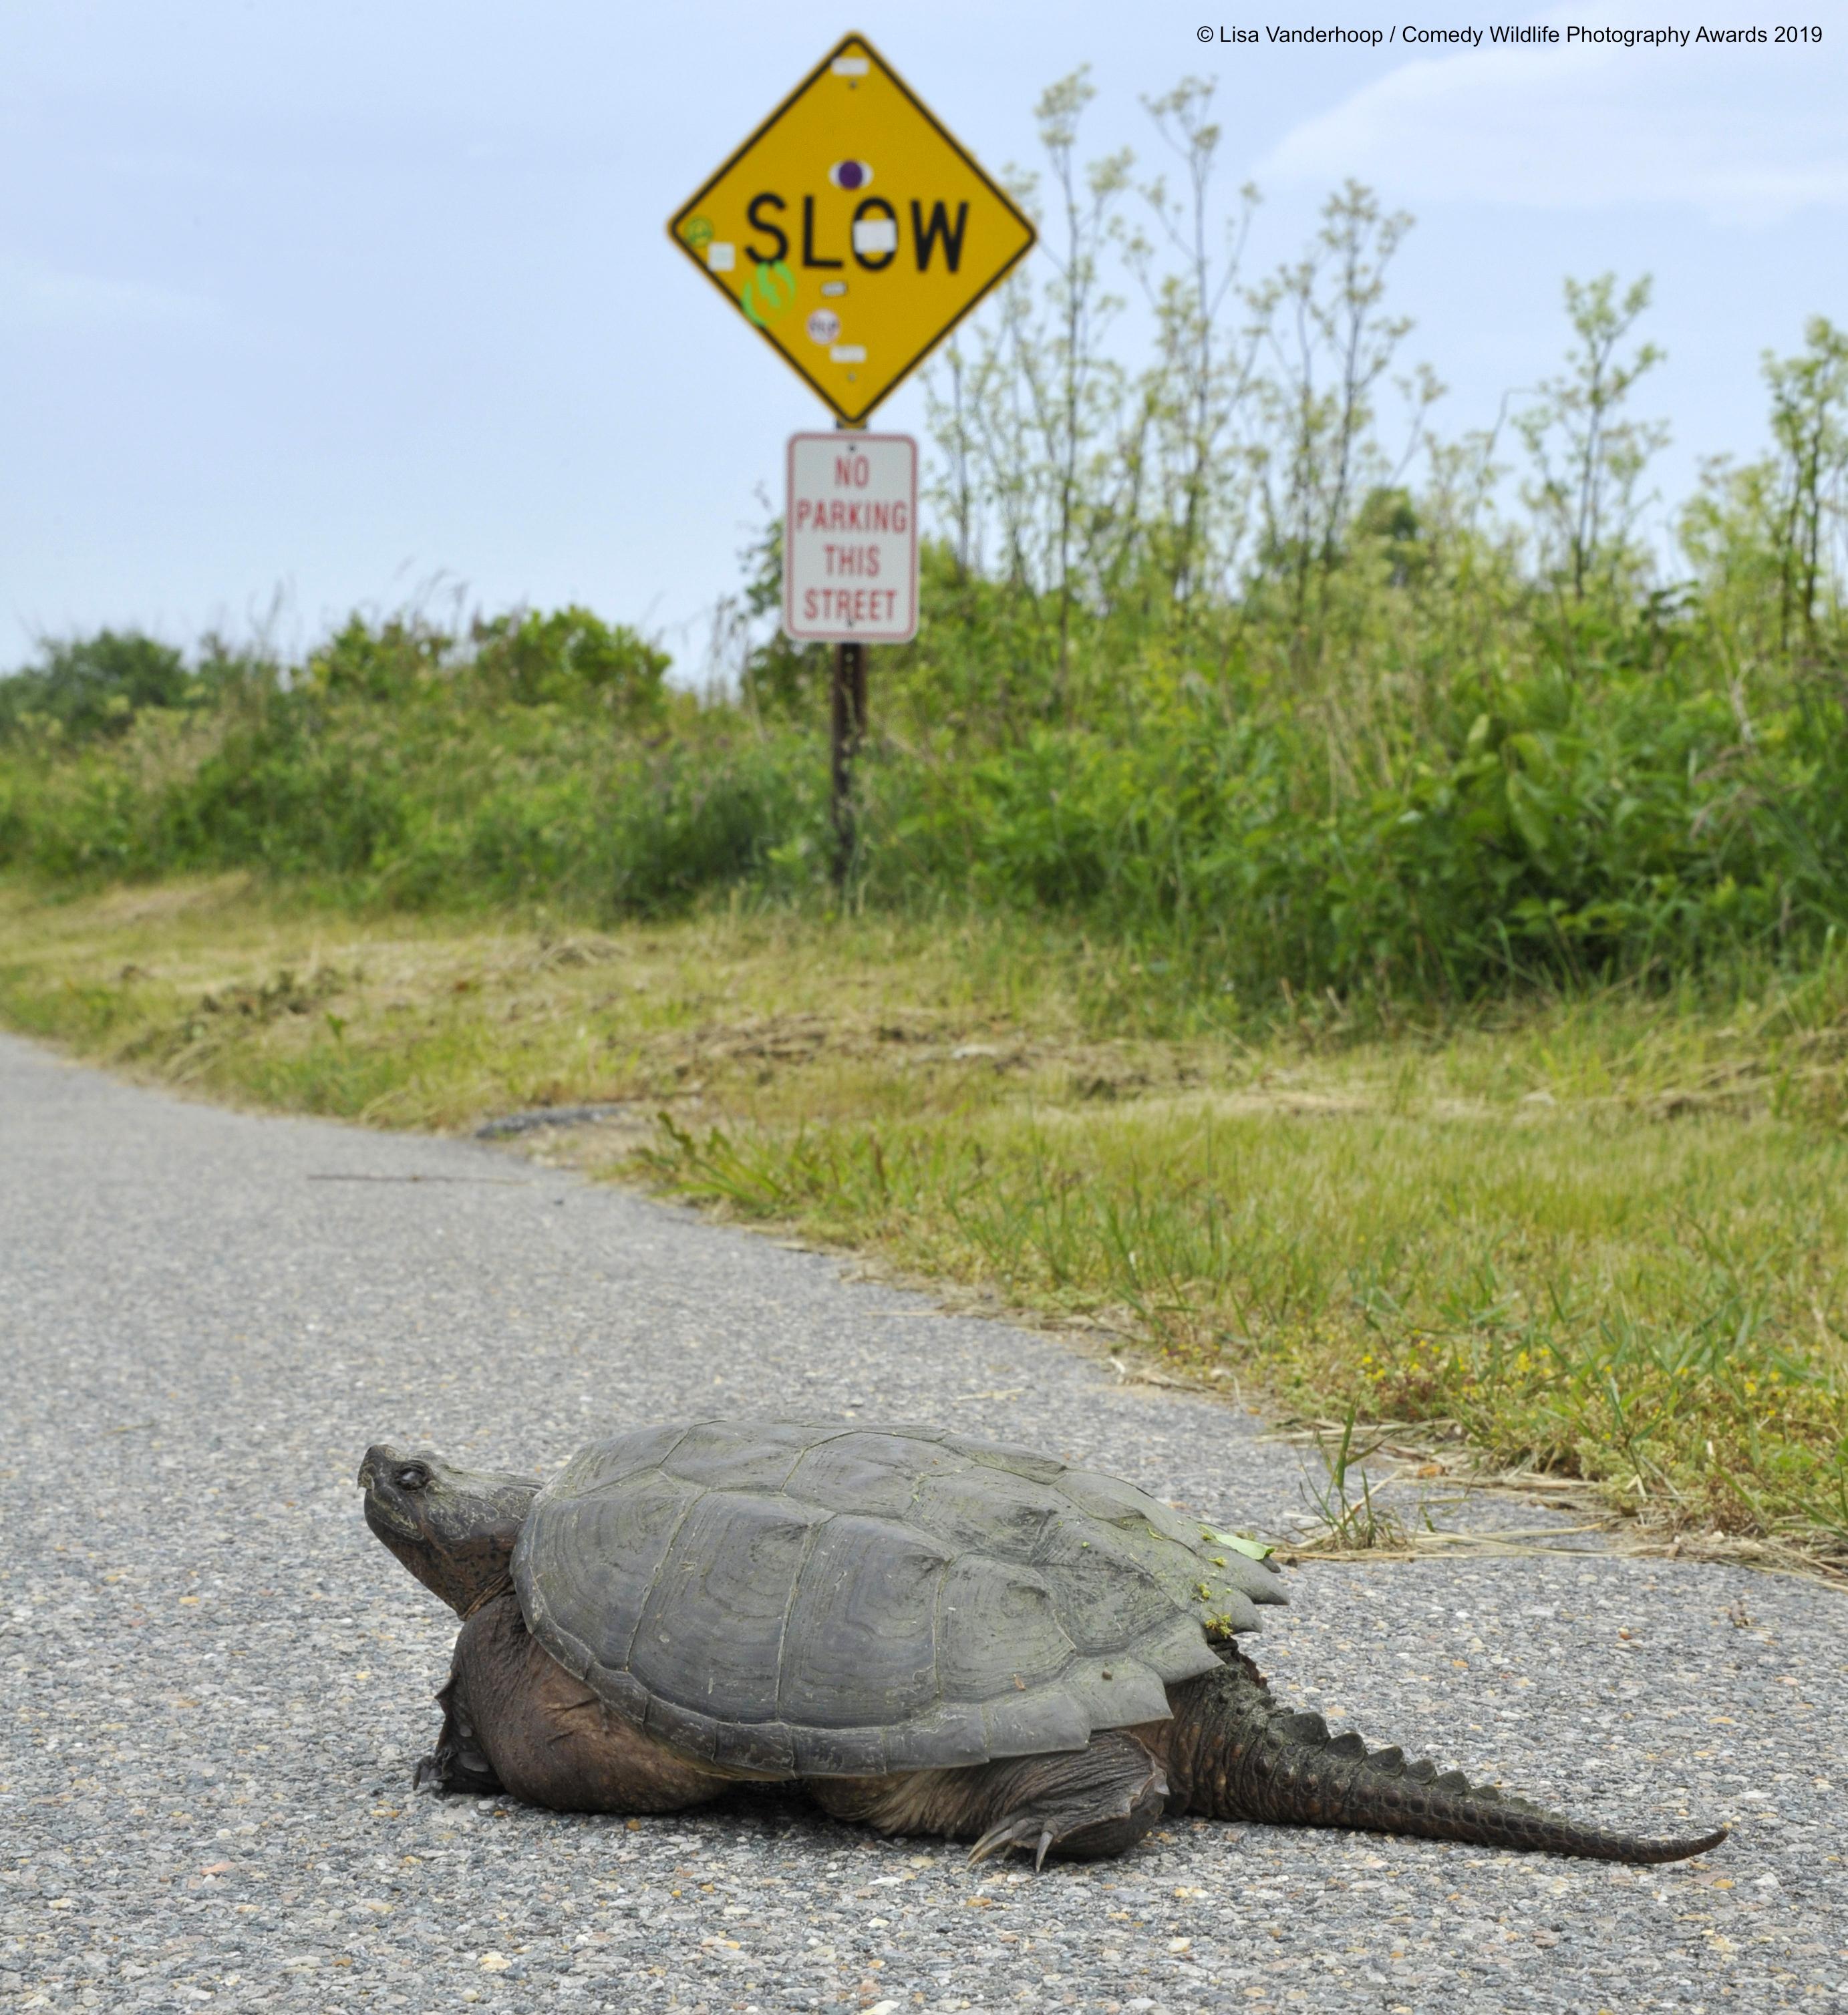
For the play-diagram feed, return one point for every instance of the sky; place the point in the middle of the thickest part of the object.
(308, 306)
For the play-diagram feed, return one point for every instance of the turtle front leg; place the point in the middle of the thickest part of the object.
(1079, 1804)
(540, 1735)
(459, 1762)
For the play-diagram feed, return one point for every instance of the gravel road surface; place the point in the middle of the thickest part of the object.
(216, 1682)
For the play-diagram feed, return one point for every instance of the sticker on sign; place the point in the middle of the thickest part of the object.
(851, 539)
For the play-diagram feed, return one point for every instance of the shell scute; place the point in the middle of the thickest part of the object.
(604, 1465)
(988, 1511)
(842, 1752)
(1030, 1723)
(599, 1557)
(1178, 1650)
(716, 1610)
(1118, 1692)
(697, 1735)
(710, 1456)
(1029, 1463)
(998, 1630)
(861, 1643)
(1111, 1597)
(1119, 1503)
(880, 1473)
(952, 1734)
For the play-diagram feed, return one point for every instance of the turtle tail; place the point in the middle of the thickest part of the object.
(1234, 1753)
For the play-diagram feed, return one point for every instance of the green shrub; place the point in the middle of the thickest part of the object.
(571, 658)
(1560, 797)
(89, 687)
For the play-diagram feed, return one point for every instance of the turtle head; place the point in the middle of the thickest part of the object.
(454, 1528)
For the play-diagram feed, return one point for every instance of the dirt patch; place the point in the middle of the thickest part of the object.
(133, 904)
(598, 1138)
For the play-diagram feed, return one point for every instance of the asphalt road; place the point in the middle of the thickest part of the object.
(216, 1683)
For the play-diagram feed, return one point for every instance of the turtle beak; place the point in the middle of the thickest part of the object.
(378, 1457)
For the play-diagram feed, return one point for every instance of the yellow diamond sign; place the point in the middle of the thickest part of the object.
(851, 231)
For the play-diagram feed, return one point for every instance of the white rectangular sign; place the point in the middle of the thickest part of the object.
(851, 539)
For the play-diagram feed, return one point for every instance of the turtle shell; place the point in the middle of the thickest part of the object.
(817, 1599)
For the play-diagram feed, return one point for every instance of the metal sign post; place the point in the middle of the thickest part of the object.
(853, 232)
(847, 707)
(848, 730)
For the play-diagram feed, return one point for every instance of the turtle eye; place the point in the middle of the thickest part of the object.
(412, 1476)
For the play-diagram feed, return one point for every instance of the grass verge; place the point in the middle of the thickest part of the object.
(1603, 1239)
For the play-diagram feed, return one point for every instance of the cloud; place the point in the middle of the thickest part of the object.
(1746, 135)
(34, 295)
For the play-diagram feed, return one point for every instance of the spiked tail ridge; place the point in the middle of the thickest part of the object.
(1235, 1754)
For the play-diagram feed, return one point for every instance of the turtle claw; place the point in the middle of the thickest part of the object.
(1029, 1833)
(457, 1762)
(1085, 1803)
(450, 1767)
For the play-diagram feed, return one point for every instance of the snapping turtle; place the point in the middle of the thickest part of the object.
(933, 1633)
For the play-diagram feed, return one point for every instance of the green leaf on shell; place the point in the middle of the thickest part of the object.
(1252, 1549)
